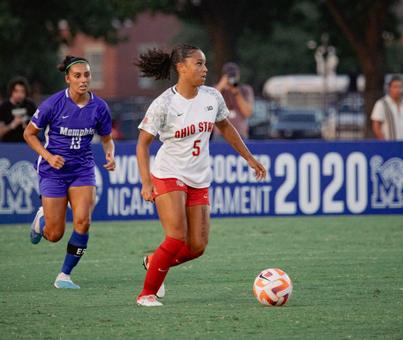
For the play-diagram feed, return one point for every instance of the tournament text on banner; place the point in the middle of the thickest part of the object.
(304, 178)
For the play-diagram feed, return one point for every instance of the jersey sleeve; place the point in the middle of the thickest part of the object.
(42, 116)
(222, 109)
(104, 125)
(154, 118)
(378, 112)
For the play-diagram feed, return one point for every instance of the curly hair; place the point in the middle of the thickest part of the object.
(157, 64)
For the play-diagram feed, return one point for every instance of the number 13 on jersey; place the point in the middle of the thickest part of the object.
(75, 143)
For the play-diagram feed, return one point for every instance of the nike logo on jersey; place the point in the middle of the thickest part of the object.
(64, 117)
(179, 114)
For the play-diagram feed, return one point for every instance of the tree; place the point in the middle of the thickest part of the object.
(363, 24)
(30, 37)
(226, 21)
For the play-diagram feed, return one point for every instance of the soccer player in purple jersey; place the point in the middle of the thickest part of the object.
(66, 164)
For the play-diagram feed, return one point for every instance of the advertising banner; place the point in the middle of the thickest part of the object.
(304, 178)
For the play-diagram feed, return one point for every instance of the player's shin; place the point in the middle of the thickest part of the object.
(159, 266)
(184, 255)
(75, 250)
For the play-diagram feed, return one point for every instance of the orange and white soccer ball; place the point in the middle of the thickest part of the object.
(272, 287)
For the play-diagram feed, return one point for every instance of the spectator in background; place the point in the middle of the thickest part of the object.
(16, 112)
(238, 97)
(387, 115)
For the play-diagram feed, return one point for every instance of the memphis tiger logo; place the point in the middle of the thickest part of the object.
(18, 186)
(387, 182)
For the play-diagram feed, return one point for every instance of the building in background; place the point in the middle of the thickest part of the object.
(113, 74)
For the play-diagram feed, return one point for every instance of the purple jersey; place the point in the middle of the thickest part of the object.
(69, 131)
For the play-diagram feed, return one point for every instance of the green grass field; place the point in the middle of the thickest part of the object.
(347, 274)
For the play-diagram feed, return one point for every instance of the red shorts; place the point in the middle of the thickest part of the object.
(195, 196)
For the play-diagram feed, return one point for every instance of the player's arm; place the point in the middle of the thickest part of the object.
(143, 160)
(377, 129)
(31, 137)
(109, 149)
(232, 136)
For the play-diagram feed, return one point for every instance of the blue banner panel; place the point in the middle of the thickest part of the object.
(304, 178)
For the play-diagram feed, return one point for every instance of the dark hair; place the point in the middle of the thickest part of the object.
(395, 77)
(69, 60)
(18, 81)
(157, 63)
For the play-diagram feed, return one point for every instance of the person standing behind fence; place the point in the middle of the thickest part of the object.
(65, 166)
(238, 97)
(387, 115)
(16, 112)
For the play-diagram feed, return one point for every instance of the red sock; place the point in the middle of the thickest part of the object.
(159, 266)
(184, 255)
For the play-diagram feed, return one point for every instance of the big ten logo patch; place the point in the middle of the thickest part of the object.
(387, 182)
(18, 186)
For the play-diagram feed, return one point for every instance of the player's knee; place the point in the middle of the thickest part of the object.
(53, 235)
(82, 225)
(198, 248)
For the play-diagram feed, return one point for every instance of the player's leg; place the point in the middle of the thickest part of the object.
(54, 209)
(50, 218)
(198, 218)
(82, 201)
(172, 213)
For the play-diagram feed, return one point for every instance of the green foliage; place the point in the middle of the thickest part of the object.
(30, 36)
(346, 272)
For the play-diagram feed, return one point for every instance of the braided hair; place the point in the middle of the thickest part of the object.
(157, 64)
(68, 61)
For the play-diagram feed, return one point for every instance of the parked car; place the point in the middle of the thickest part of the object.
(298, 123)
(347, 119)
(261, 120)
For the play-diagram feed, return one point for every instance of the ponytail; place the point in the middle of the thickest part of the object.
(157, 63)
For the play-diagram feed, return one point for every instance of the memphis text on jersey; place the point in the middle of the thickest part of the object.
(76, 132)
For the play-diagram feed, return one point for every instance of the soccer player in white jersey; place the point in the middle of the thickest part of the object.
(66, 164)
(184, 117)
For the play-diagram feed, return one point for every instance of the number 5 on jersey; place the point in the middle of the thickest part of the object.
(196, 148)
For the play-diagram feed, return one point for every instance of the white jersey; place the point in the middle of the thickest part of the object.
(392, 129)
(184, 126)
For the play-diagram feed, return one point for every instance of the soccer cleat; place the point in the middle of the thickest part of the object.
(64, 281)
(146, 262)
(148, 301)
(35, 233)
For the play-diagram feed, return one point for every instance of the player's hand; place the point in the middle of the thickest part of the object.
(147, 192)
(56, 161)
(110, 162)
(260, 171)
